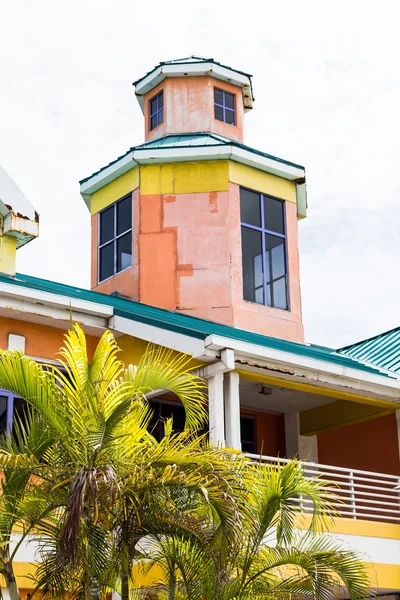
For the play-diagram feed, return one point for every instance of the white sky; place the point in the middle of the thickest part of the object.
(327, 88)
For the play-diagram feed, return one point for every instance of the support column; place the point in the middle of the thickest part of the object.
(300, 446)
(232, 410)
(216, 417)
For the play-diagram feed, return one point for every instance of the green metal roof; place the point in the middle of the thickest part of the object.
(184, 324)
(193, 140)
(193, 60)
(382, 350)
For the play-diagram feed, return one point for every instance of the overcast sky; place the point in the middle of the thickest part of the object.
(327, 88)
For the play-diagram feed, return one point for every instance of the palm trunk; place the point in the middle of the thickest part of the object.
(124, 573)
(94, 590)
(9, 577)
(172, 583)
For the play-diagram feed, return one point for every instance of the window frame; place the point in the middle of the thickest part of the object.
(253, 419)
(264, 231)
(158, 110)
(224, 107)
(114, 239)
(9, 408)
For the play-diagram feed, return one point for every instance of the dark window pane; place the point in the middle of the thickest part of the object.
(160, 100)
(250, 208)
(280, 294)
(252, 265)
(153, 106)
(106, 261)
(177, 412)
(3, 413)
(229, 100)
(160, 117)
(107, 225)
(275, 255)
(124, 252)
(218, 96)
(247, 428)
(229, 117)
(273, 215)
(218, 113)
(124, 215)
(153, 122)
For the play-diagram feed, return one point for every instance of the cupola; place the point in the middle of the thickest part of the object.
(194, 94)
(194, 221)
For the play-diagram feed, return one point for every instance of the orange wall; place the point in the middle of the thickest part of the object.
(40, 340)
(126, 282)
(270, 430)
(189, 107)
(370, 446)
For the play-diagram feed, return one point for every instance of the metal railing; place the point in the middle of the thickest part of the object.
(359, 494)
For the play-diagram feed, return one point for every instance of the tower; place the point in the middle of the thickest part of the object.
(194, 221)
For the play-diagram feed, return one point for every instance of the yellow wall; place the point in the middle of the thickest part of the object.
(260, 181)
(114, 191)
(184, 178)
(191, 177)
(8, 251)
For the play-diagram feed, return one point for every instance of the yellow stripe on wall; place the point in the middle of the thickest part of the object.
(263, 182)
(184, 178)
(114, 190)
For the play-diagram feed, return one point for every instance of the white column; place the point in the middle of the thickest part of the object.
(292, 434)
(301, 446)
(216, 418)
(232, 410)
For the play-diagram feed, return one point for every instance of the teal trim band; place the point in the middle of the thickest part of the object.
(185, 324)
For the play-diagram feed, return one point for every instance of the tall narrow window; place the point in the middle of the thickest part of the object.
(162, 412)
(156, 110)
(263, 249)
(224, 106)
(115, 238)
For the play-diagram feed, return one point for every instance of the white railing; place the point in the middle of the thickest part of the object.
(359, 494)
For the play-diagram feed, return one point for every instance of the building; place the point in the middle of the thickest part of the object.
(195, 248)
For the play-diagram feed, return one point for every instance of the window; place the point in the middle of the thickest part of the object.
(224, 106)
(263, 249)
(248, 434)
(163, 411)
(156, 110)
(115, 238)
(9, 405)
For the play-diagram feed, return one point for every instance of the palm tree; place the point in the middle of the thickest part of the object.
(103, 465)
(27, 445)
(271, 558)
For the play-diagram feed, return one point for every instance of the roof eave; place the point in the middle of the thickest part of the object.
(164, 71)
(190, 153)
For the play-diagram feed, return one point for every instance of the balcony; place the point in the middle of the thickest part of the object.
(359, 494)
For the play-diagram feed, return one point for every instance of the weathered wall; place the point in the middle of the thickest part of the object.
(189, 107)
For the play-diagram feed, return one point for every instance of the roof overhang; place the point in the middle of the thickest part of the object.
(287, 367)
(19, 218)
(195, 69)
(363, 386)
(146, 156)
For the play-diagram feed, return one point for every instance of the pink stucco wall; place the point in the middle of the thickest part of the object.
(189, 107)
(187, 257)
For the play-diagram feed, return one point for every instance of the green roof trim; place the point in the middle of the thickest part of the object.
(185, 324)
(202, 138)
(382, 350)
